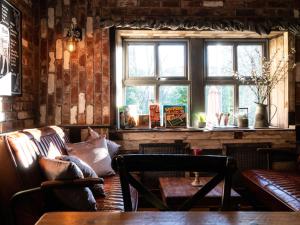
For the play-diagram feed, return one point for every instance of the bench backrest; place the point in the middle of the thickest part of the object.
(19, 153)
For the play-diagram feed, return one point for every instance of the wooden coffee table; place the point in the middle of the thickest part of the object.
(175, 190)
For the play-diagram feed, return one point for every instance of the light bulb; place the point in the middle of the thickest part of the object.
(71, 45)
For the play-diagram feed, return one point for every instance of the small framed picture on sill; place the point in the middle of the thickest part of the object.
(143, 121)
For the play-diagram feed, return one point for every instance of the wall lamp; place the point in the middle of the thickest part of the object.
(74, 35)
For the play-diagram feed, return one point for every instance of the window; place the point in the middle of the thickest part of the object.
(224, 94)
(195, 72)
(156, 71)
(219, 60)
(218, 99)
(140, 60)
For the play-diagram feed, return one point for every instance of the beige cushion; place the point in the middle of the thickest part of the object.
(112, 146)
(92, 134)
(95, 154)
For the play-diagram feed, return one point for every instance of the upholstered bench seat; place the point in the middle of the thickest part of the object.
(113, 201)
(20, 170)
(276, 190)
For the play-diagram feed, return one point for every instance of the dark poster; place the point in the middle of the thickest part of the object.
(10, 49)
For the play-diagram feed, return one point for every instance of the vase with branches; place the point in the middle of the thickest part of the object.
(263, 77)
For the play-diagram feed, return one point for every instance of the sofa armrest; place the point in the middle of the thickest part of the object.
(24, 193)
(48, 185)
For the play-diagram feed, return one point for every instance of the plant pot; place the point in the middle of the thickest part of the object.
(202, 124)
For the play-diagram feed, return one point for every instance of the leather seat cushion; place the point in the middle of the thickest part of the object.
(281, 188)
(113, 201)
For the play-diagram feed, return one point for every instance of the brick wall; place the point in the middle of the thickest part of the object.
(19, 112)
(75, 87)
(202, 8)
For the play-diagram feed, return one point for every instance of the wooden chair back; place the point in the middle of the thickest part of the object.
(222, 166)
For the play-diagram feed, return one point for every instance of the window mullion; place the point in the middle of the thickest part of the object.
(236, 86)
(156, 72)
(156, 69)
(157, 92)
(236, 101)
(235, 57)
(197, 86)
(156, 63)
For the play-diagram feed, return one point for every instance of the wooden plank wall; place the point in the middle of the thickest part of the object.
(282, 97)
(207, 139)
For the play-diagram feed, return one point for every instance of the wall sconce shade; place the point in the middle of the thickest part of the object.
(74, 35)
(71, 44)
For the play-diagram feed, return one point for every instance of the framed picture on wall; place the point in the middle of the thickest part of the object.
(10, 49)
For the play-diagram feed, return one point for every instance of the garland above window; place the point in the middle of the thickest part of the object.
(262, 26)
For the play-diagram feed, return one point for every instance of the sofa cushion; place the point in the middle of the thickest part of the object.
(92, 134)
(112, 146)
(277, 190)
(95, 154)
(76, 198)
(87, 171)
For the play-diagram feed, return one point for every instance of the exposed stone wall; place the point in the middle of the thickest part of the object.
(19, 112)
(75, 87)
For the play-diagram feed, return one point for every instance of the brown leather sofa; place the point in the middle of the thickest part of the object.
(19, 171)
(277, 188)
(278, 191)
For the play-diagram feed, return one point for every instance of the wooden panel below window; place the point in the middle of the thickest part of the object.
(130, 140)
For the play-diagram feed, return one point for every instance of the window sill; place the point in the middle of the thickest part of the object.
(191, 129)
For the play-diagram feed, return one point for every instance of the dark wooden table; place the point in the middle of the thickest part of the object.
(175, 190)
(170, 218)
